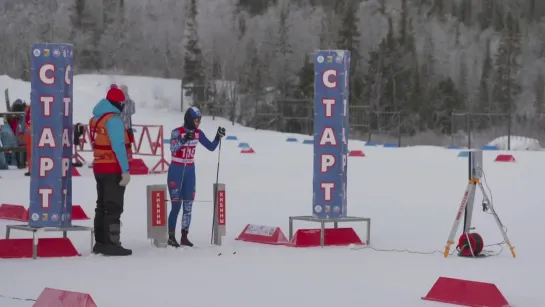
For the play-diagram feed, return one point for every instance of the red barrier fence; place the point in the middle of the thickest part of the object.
(144, 145)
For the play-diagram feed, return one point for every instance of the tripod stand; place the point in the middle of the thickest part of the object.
(469, 242)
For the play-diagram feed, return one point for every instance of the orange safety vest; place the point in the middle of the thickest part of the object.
(105, 161)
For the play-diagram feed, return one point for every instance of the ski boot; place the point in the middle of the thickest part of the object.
(172, 240)
(185, 241)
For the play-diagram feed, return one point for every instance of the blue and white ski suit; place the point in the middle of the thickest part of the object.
(181, 174)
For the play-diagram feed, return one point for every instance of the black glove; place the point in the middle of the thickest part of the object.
(188, 136)
(220, 133)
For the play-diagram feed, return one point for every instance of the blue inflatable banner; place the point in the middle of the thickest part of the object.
(51, 121)
(331, 85)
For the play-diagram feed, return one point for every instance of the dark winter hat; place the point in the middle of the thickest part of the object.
(115, 94)
(190, 116)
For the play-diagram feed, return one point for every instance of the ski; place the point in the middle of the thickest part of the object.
(220, 252)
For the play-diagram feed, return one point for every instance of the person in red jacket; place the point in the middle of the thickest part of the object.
(111, 144)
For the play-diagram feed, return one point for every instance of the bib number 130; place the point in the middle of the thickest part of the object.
(188, 152)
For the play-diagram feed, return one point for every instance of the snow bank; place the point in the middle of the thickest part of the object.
(147, 92)
(517, 143)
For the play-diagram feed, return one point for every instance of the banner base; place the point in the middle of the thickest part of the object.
(35, 232)
(335, 222)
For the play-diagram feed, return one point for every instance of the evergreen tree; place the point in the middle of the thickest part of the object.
(239, 22)
(253, 78)
(193, 80)
(349, 39)
(380, 80)
(484, 102)
(306, 79)
(449, 100)
(539, 92)
(506, 86)
(284, 51)
(465, 12)
(329, 25)
(408, 81)
(85, 35)
(463, 87)
(114, 36)
(255, 7)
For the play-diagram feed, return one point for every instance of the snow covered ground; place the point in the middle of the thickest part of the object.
(411, 194)
(516, 142)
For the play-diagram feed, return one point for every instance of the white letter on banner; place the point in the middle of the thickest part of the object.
(331, 84)
(43, 74)
(327, 187)
(328, 136)
(65, 138)
(46, 138)
(67, 72)
(46, 164)
(66, 101)
(326, 162)
(65, 165)
(47, 101)
(328, 104)
(45, 194)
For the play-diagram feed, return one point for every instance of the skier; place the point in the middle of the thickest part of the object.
(181, 172)
(110, 143)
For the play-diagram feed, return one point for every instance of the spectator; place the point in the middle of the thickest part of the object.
(13, 158)
(128, 110)
(3, 164)
(7, 139)
(17, 106)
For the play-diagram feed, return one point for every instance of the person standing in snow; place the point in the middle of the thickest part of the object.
(127, 113)
(181, 177)
(111, 145)
(28, 138)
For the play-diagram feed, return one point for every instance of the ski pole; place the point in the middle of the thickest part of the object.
(214, 218)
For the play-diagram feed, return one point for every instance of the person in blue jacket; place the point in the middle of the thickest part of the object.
(181, 172)
(110, 142)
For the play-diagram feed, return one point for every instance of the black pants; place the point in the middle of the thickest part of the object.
(110, 199)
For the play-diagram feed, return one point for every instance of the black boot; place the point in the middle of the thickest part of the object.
(112, 246)
(27, 174)
(100, 236)
(172, 240)
(185, 241)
